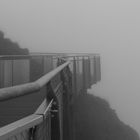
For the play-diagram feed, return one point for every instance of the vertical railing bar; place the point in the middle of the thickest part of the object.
(95, 73)
(30, 59)
(74, 74)
(2, 74)
(12, 61)
(93, 70)
(99, 65)
(16, 137)
(89, 82)
(43, 66)
(43, 128)
(83, 73)
(77, 74)
(29, 69)
(23, 136)
(49, 126)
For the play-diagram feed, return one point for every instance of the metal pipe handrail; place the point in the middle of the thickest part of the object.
(65, 53)
(29, 88)
(12, 57)
(6, 57)
(37, 121)
(27, 122)
(19, 126)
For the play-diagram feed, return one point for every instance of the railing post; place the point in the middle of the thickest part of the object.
(92, 69)
(74, 76)
(12, 72)
(1, 74)
(89, 73)
(77, 75)
(48, 64)
(95, 73)
(99, 68)
(84, 82)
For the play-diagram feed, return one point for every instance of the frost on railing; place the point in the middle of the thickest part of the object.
(55, 83)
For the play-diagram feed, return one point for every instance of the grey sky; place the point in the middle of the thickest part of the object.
(110, 27)
(63, 24)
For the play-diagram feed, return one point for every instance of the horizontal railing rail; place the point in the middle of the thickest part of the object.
(24, 89)
(22, 129)
(26, 56)
(55, 55)
(28, 122)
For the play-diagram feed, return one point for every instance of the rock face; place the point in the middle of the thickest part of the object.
(95, 120)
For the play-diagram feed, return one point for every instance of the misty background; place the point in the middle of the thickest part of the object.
(108, 27)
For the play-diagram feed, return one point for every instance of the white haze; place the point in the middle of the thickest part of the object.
(109, 27)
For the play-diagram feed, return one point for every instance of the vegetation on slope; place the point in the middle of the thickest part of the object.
(95, 120)
(8, 47)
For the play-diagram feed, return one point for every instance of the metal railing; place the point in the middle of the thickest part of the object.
(51, 80)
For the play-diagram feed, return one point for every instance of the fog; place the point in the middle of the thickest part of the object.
(111, 28)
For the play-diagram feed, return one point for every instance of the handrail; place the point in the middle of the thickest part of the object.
(44, 108)
(68, 85)
(24, 56)
(24, 89)
(19, 126)
(5, 57)
(25, 123)
(33, 53)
